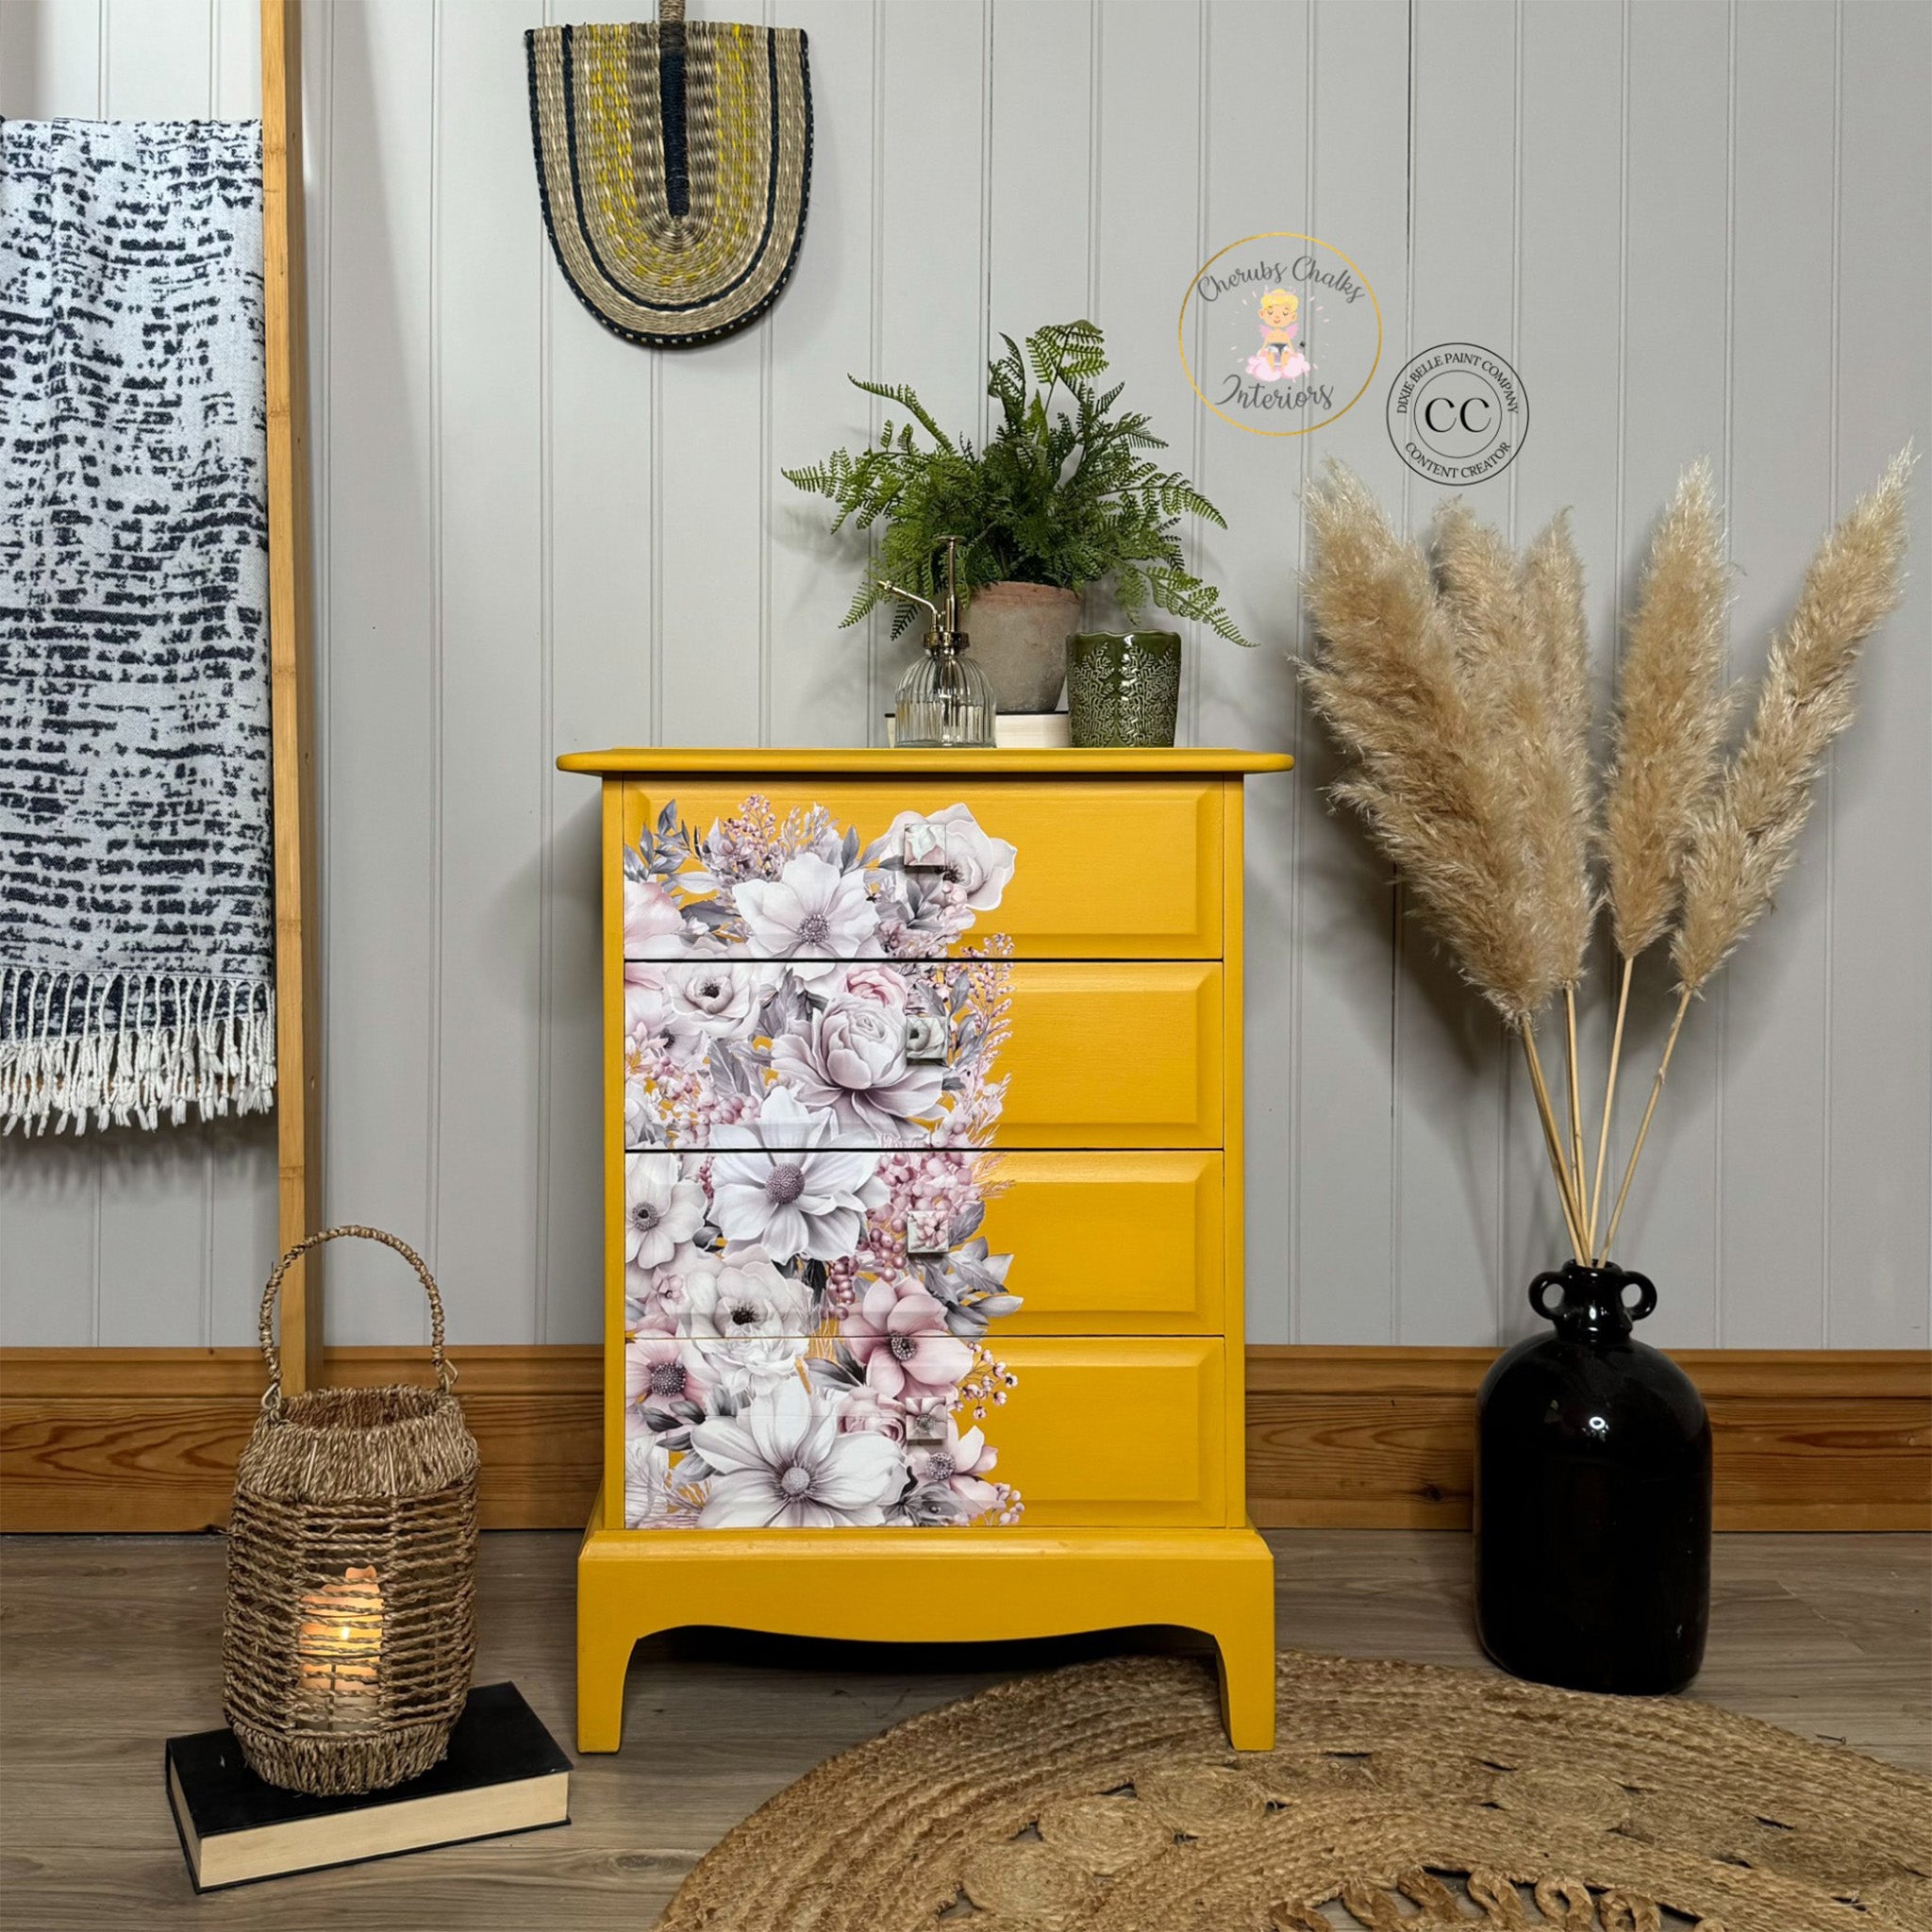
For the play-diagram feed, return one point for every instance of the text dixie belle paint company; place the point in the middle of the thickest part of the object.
(1457, 413)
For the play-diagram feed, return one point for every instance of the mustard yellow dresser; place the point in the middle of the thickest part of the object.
(923, 1230)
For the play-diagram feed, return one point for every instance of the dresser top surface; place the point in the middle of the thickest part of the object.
(670, 761)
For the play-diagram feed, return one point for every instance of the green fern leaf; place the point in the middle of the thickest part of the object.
(1063, 494)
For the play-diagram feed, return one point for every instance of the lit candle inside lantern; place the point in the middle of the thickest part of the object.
(340, 1651)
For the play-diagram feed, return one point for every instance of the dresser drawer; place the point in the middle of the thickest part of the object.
(1125, 1055)
(1117, 867)
(1108, 1243)
(1073, 1054)
(1099, 1243)
(1127, 1432)
(774, 1433)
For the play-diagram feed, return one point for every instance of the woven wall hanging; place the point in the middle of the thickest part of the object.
(675, 162)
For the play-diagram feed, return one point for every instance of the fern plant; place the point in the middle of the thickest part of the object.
(1063, 492)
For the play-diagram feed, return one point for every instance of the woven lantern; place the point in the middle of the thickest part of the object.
(351, 1623)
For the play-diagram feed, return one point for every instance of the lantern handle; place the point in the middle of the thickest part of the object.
(445, 1369)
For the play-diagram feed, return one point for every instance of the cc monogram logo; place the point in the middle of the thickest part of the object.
(1457, 413)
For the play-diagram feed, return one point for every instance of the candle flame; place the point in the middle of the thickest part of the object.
(338, 1648)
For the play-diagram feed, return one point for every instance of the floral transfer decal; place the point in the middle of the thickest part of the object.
(809, 1085)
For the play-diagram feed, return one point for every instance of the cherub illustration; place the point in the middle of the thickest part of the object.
(1277, 360)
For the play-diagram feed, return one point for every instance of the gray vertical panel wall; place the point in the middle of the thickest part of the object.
(1569, 116)
(1698, 229)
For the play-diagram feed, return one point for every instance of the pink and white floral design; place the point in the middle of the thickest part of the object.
(980, 867)
(791, 1182)
(661, 1210)
(850, 1056)
(810, 1058)
(785, 1464)
(811, 913)
(653, 926)
(898, 1335)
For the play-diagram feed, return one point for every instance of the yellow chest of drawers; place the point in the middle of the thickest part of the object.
(923, 1227)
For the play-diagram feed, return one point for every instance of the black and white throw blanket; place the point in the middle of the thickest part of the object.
(136, 869)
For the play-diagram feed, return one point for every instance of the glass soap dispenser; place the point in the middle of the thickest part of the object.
(944, 698)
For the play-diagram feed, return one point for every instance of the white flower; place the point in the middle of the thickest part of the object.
(682, 1009)
(653, 926)
(659, 1209)
(747, 1297)
(656, 1299)
(790, 1183)
(651, 1501)
(750, 1324)
(719, 999)
(811, 912)
(982, 867)
(746, 1369)
(647, 1002)
(852, 1058)
(779, 1464)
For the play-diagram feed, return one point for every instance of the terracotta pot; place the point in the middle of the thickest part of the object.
(1019, 634)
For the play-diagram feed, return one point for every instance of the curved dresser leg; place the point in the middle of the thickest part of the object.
(606, 1629)
(602, 1661)
(1243, 1632)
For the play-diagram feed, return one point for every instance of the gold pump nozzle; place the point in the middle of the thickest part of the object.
(946, 634)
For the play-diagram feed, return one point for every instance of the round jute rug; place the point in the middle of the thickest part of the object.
(1401, 1798)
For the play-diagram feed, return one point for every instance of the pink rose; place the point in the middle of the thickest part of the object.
(869, 982)
(863, 1412)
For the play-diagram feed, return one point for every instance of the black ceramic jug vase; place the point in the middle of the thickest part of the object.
(1593, 1497)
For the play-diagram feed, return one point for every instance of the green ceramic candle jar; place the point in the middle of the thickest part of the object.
(1124, 688)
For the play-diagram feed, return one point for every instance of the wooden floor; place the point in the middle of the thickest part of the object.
(109, 1645)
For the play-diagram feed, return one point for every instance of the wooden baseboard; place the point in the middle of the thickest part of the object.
(1380, 1437)
(146, 1438)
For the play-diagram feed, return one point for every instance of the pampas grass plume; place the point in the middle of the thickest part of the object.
(1744, 838)
(1461, 700)
(1520, 685)
(1386, 681)
(1669, 718)
(1551, 592)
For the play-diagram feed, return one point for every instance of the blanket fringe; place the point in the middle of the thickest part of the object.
(128, 1047)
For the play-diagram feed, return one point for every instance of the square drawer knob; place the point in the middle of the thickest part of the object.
(922, 848)
(926, 1428)
(926, 1037)
(928, 1233)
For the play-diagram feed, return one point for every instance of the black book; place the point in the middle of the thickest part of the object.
(503, 1772)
